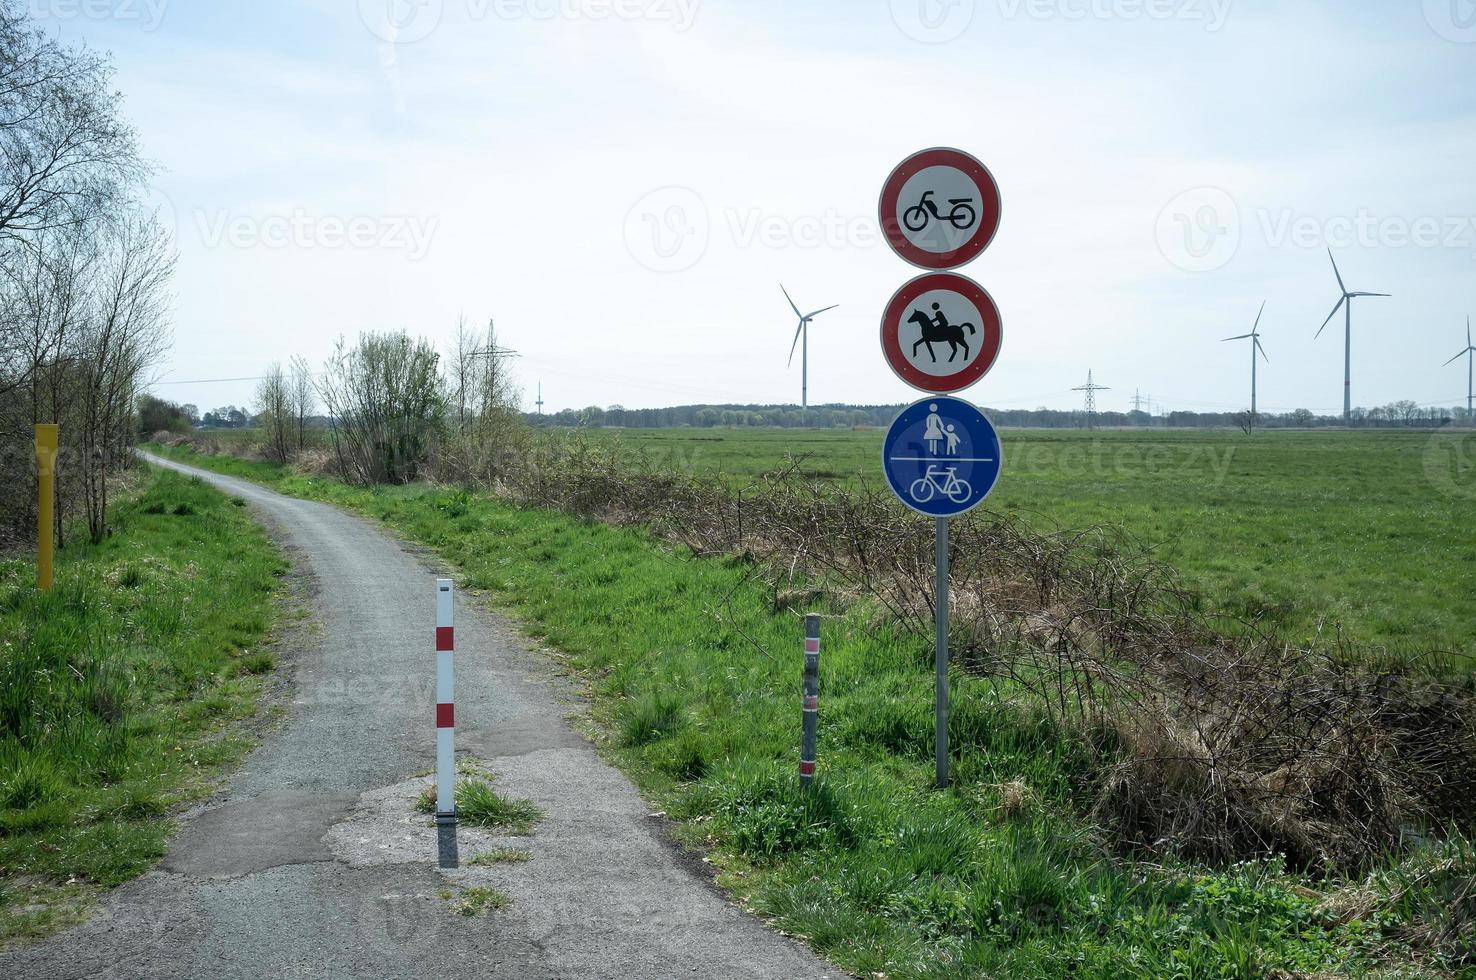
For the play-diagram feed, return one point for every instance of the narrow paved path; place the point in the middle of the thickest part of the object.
(310, 864)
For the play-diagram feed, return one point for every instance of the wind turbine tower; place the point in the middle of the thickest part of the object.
(1091, 390)
(1470, 355)
(1346, 303)
(1255, 339)
(802, 333)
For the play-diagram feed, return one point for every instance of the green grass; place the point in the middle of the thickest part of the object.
(123, 692)
(474, 901)
(479, 805)
(502, 855)
(1307, 533)
(696, 680)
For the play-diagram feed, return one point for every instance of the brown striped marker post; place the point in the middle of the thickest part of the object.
(445, 705)
(812, 700)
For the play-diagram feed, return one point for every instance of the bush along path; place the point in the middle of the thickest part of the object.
(695, 668)
(317, 859)
(125, 692)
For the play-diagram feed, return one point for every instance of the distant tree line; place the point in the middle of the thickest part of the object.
(1398, 414)
(85, 272)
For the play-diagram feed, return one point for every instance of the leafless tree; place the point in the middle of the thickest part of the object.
(65, 151)
(301, 398)
(82, 274)
(274, 412)
(487, 428)
(125, 336)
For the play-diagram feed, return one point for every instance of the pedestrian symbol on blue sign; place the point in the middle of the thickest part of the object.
(941, 456)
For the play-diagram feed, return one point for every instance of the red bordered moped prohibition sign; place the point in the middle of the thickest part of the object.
(905, 359)
(945, 224)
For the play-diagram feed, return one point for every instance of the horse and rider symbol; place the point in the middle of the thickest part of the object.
(937, 330)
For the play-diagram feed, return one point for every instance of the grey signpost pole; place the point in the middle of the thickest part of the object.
(940, 656)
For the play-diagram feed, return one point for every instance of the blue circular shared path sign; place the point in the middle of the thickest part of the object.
(942, 456)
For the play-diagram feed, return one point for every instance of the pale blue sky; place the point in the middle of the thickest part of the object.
(517, 157)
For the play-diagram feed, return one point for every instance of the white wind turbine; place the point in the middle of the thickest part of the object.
(1470, 355)
(1346, 303)
(802, 333)
(1255, 339)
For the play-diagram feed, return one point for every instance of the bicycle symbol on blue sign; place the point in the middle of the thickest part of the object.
(942, 456)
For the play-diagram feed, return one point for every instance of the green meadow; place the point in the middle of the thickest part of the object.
(1312, 535)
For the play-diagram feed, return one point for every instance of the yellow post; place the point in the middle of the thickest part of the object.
(45, 515)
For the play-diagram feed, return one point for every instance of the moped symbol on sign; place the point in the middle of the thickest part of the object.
(942, 456)
(941, 332)
(940, 208)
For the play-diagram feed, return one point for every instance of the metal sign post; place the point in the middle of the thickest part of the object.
(940, 655)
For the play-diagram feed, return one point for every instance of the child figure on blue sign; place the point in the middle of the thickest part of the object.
(953, 440)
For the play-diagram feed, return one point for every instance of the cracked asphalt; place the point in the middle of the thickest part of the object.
(309, 863)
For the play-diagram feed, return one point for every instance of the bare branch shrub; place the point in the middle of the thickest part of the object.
(384, 400)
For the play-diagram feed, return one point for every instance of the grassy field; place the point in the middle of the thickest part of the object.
(1307, 533)
(123, 692)
(695, 676)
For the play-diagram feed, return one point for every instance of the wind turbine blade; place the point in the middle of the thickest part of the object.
(1336, 272)
(796, 342)
(1329, 317)
(1370, 294)
(1262, 350)
(1458, 356)
(818, 312)
(791, 302)
(1468, 333)
(1258, 318)
(1240, 337)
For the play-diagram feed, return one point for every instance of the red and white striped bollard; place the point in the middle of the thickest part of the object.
(445, 704)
